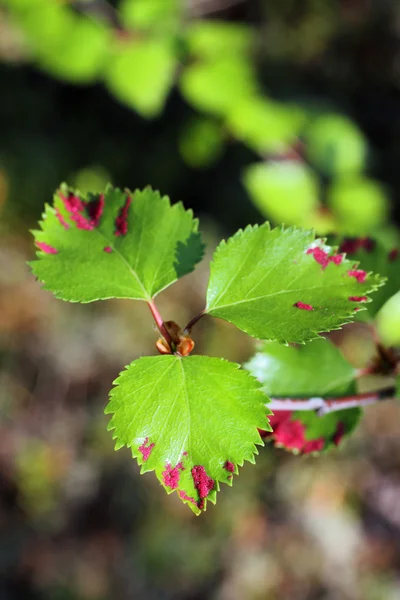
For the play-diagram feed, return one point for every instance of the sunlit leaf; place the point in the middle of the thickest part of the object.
(388, 321)
(217, 86)
(284, 191)
(119, 245)
(336, 145)
(212, 39)
(282, 285)
(141, 74)
(359, 205)
(193, 421)
(264, 125)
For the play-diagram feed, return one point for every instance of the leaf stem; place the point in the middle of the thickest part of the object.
(324, 406)
(159, 321)
(193, 322)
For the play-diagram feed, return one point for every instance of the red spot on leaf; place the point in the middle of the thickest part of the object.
(323, 258)
(121, 222)
(171, 475)
(61, 219)
(393, 254)
(146, 449)
(358, 274)
(358, 298)
(107, 249)
(320, 256)
(229, 466)
(184, 496)
(303, 306)
(314, 446)
(339, 433)
(46, 248)
(203, 483)
(185, 453)
(337, 259)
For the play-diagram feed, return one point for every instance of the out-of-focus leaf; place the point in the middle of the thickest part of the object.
(264, 125)
(151, 15)
(284, 191)
(115, 245)
(359, 204)
(213, 39)
(316, 369)
(283, 285)
(201, 142)
(65, 44)
(388, 321)
(336, 145)
(170, 411)
(141, 74)
(215, 87)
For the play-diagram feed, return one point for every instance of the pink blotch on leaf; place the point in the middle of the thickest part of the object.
(61, 219)
(183, 495)
(323, 258)
(171, 475)
(107, 249)
(358, 274)
(229, 466)
(145, 449)
(77, 207)
(358, 298)
(203, 483)
(339, 433)
(320, 256)
(351, 245)
(46, 248)
(303, 306)
(393, 254)
(290, 434)
(121, 222)
(314, 446)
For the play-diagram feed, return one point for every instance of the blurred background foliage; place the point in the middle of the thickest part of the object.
(246, 110)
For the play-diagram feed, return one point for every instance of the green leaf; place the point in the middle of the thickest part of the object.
(264, 125)
(359, 205)
(281, 285)
(213, 39)
(113, 247)
(285, 191)
(154, 16)
(388, 321)
(217, 86)
(65, 44)
(201, 142)
(316, 368)
(193, 421)
(313, 370)
(398, 387)
(336, 145)
(141, 75)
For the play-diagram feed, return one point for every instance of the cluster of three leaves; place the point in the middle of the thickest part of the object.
(280, 285)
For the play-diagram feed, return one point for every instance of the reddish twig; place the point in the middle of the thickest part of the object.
(193, 322)
(159, 321)
(326, 405)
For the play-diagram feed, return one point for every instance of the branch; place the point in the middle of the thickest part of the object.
(201, 8)
(324, 406)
